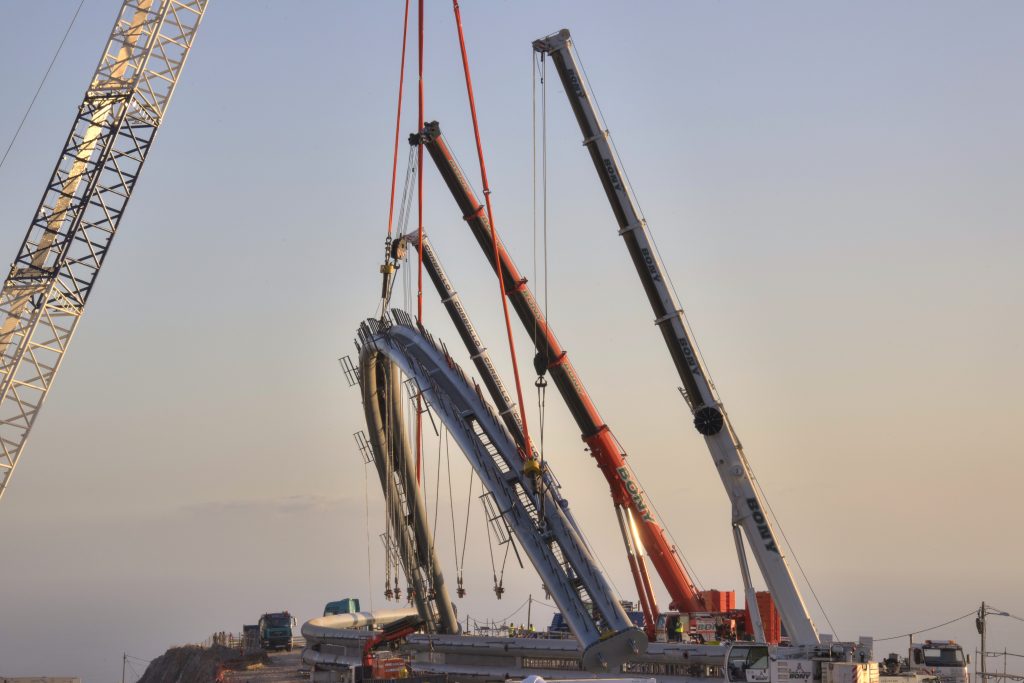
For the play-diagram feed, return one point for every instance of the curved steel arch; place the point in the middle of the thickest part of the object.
(537, 515)
(412, 542)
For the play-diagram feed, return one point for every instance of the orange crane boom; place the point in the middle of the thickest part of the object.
(640, 529)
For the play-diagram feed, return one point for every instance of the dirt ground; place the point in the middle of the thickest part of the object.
(283, 668)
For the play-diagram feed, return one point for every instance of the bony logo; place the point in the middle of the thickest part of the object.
(613, 174)
(762, 524)
(574, 83)
(799, 673)
(636, 494)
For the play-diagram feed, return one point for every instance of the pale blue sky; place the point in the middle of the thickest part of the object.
(835, 188)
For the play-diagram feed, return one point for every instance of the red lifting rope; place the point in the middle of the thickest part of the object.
(528, 455)
(398, 120)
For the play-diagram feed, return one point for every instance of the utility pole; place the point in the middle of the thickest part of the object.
(529, 610)
(980, 622)
(124, 663)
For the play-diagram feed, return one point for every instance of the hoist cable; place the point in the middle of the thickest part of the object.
(405, 211)
(369, 555)
(42, 82)
(792, 551)
(419, 232)
(451, 498)
(494, 236)
(541, 404)
(405, 208)
(490, 547)
(398, 119)
(504, 562)
(533, 178)
(544, 188)
(437, 494)
(419, 191)
(540, 383)
(437, 507)
(544, 171)
(465, 531)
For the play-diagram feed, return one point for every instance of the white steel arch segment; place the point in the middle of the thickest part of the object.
(537, 514)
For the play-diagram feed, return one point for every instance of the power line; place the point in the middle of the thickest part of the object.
(505, 620)
(930, 628)
(1002, 613)
(41, 84)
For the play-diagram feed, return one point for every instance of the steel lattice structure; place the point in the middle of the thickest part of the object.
(45, 293)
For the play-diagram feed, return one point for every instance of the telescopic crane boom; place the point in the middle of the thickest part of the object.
(709, 416)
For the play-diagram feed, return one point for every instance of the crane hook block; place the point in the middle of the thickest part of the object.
(708, 420)
(540, 363)
(387, 269)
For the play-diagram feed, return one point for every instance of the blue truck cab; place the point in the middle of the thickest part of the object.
(343, 606)
(275, 631)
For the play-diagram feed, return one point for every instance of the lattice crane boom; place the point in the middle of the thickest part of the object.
(50, 281)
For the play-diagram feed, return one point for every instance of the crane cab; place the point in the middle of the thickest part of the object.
(764, 663)
(695, 627)
(748, 664)
(672, 627)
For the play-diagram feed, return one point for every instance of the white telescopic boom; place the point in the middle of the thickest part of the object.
(709, 416)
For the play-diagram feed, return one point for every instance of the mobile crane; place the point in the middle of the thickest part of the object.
(640, 530)
(709, 416)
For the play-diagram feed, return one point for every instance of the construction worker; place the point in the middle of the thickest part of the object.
(677, 630)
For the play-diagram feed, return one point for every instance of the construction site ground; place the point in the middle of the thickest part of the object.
(283, 668)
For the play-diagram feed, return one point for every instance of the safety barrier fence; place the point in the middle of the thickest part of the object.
(239, 641)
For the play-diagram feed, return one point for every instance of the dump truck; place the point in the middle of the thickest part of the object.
(275, 631)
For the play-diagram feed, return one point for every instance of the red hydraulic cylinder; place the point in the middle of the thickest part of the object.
(625, 489)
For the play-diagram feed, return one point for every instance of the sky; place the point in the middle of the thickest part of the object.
(834, 187)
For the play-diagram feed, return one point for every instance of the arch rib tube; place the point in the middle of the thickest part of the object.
(545, 532)
(380, 382)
